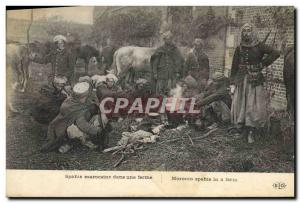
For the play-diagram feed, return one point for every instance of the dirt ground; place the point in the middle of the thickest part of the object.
(220, 151)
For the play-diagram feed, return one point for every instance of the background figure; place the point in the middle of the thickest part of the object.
(62, 60)
(107, 55)
(216, 100)
(51, 97)
(197, 63)
(167, 65)
(289, 80)
(249, 108)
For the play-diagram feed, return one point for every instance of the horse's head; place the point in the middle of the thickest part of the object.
(38, 49)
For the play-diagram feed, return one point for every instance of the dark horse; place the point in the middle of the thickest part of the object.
(87, 52)
(289, 79)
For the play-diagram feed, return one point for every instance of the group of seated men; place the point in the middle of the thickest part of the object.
(80, 118)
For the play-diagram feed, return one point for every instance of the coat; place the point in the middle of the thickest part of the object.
(108, 56)
(251, 59)
(71, 112)
(167, 64)
(197, 65)
(62, 63)
(47, 104)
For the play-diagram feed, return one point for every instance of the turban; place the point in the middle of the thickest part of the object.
(81, 89)
(167, 35)
(60, 80)
(59, 38)
(198, 41)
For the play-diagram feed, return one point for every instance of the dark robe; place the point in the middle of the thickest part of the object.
(251, 59)
(197, 65)
(107, 56)
(166, 63)
(48, 104)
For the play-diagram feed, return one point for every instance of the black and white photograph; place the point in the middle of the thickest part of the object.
(151, 88)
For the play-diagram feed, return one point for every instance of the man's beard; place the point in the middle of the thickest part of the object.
(246, 38)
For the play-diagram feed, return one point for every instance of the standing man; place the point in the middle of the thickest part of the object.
(107, 55)
(249, 107)
(62, 60)
(167, 65)
(197, 63)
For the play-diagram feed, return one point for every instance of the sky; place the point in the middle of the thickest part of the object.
(74, 14)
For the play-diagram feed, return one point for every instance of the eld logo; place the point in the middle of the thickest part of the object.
(279, 185)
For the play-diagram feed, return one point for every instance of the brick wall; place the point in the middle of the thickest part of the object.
(216, 52)
(215, 48)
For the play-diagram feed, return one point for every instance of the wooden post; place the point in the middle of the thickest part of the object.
(29, 26)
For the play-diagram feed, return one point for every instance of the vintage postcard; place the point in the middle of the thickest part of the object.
(150, 101)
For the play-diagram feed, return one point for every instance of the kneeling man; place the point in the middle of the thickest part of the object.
(78, 118)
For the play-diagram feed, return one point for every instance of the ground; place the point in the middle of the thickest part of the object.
(218, 152)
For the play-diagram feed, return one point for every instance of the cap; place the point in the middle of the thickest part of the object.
(198, 41)
(81, 89)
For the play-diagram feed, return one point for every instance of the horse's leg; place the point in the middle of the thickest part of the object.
(21, 76)
(22, 89)
(86, 66)
(24, 71)
(26, 75)
(15, 77)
